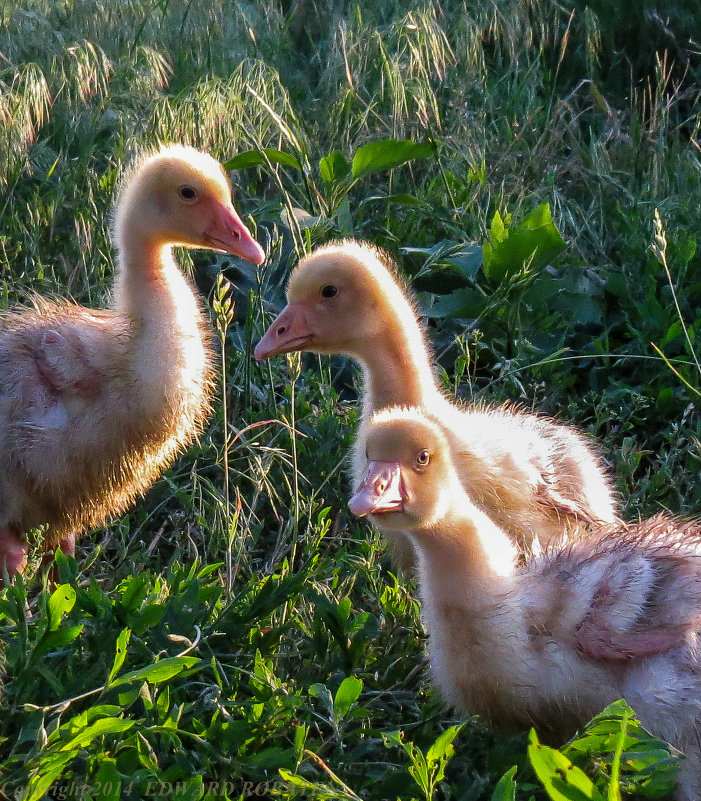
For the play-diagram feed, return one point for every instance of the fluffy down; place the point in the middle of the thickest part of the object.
(94, 404)
(533, 476)
(550, 641)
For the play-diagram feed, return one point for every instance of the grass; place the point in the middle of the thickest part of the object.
(237, 622)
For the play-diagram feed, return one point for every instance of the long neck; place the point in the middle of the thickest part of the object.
(169, 355)
(397, 368)
(477, 616)
(465, 560)
(150, 288)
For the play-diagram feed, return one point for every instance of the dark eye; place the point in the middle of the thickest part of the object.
(423, 459)
(329, 291)
(188, 193)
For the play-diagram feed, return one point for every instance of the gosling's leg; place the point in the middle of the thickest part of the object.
(13, 551)
(67, 544)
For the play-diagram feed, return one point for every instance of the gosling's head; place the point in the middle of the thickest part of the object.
(409, 481)
(181, 196)
(338, 299)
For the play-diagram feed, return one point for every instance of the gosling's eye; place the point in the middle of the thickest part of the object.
(423, 459)
(329, 291)
(187, 193)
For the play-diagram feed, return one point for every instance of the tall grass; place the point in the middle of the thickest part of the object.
(243, 554)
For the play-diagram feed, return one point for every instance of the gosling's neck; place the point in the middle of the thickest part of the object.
(464, 558)
(150, 288)
(396, 365)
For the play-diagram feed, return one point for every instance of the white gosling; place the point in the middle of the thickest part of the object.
(551, 641)
(533, 476)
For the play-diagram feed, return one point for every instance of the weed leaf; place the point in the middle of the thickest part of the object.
(61, 602)
(160, 672)
(562, 780)
(120, 653)
(333, 167)
(387, 154)
(534, 241)
(346, 695)
(506, 787)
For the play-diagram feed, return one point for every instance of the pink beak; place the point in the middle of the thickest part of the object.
(288, 332)
(380, 491)
(228, 233)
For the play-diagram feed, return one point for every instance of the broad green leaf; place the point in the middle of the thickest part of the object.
(272, 758)
(345, 218)
(79, 722)
(190, 790)
(674, 331)
(254, 158)
(147, 756)
(534, 240)
(397, 738)
(322, 692)
(648, 766)
(135, 591)
(97, 729)
(147, 617)
(61, 602)
(614, 713)
(207, 570)
(67, 567)
(463, 303)
(506, 787)
(39, 785)
(346, 695)
(344, 609)
(56, 639)
(108, 780)
(498, 231)
(387, 154)
(333, 167)
(468, 260)
(301, 732)
(617, 284)
(581, 308)
(443, 748)
(420, 772)
(127, 698)
(561, 779)
(163, 702)
(159, 672)
(120, 653)
(537, 218)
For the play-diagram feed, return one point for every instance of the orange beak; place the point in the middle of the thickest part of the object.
(228, 233)
(287, 333)
(380, 491)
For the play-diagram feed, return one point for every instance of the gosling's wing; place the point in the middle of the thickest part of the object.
(549, 498)
(65, 362)
(646, 601)
(603, 643)
(53, 348)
